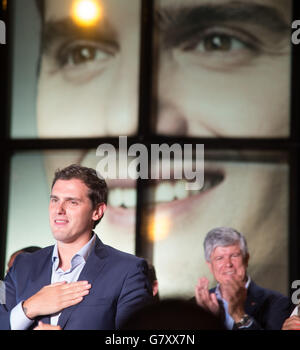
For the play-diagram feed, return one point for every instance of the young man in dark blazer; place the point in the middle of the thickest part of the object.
(79, 283)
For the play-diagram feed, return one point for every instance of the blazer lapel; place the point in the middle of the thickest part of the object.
(254, 299)
(90, 272)
(41, 275)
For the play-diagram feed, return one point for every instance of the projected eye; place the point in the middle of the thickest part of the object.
(219, 48)
(81, 61)
(219, 43)
(82, 54)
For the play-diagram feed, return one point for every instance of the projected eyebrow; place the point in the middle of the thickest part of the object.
(178, 23)
(67, 30)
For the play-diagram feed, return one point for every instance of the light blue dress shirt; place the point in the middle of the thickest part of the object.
(229, 322)
(18, 319)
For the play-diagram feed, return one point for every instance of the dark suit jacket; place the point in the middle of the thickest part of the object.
(268, 308)
(119, 287)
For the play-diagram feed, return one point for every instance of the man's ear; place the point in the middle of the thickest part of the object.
(99, 211)
(246, 259)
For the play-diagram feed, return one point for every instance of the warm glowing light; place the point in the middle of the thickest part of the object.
(86, 12)
(4, 4)
(159, 227)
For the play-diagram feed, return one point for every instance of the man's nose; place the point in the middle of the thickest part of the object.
(170, 120)
(60, 209)
(228, 262)
(122, 114)
(122, 98)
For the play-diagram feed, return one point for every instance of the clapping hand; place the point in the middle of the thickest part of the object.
(205, 299)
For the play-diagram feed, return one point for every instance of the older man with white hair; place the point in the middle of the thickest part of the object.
(243, 304)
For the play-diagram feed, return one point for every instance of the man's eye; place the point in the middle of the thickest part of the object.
(80, 53)
(223, 41)
(219, 42)
(84, 54)
(80, 61)
(218, 49)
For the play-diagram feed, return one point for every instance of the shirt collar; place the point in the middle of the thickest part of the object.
(84, 252)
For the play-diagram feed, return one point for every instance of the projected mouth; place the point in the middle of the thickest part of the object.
(170, 196)
(122, 193)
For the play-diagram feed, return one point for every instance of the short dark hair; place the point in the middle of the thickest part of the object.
(152, 278)
(97, 186)
(31, 249)
(151, 273)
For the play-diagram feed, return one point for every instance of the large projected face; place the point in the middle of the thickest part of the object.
(223, 70)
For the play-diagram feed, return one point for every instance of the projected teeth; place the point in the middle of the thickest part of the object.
(115, 197)
(129, 198)
(122, 198)
(161, 192)
(164, 192)
(179, 190)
